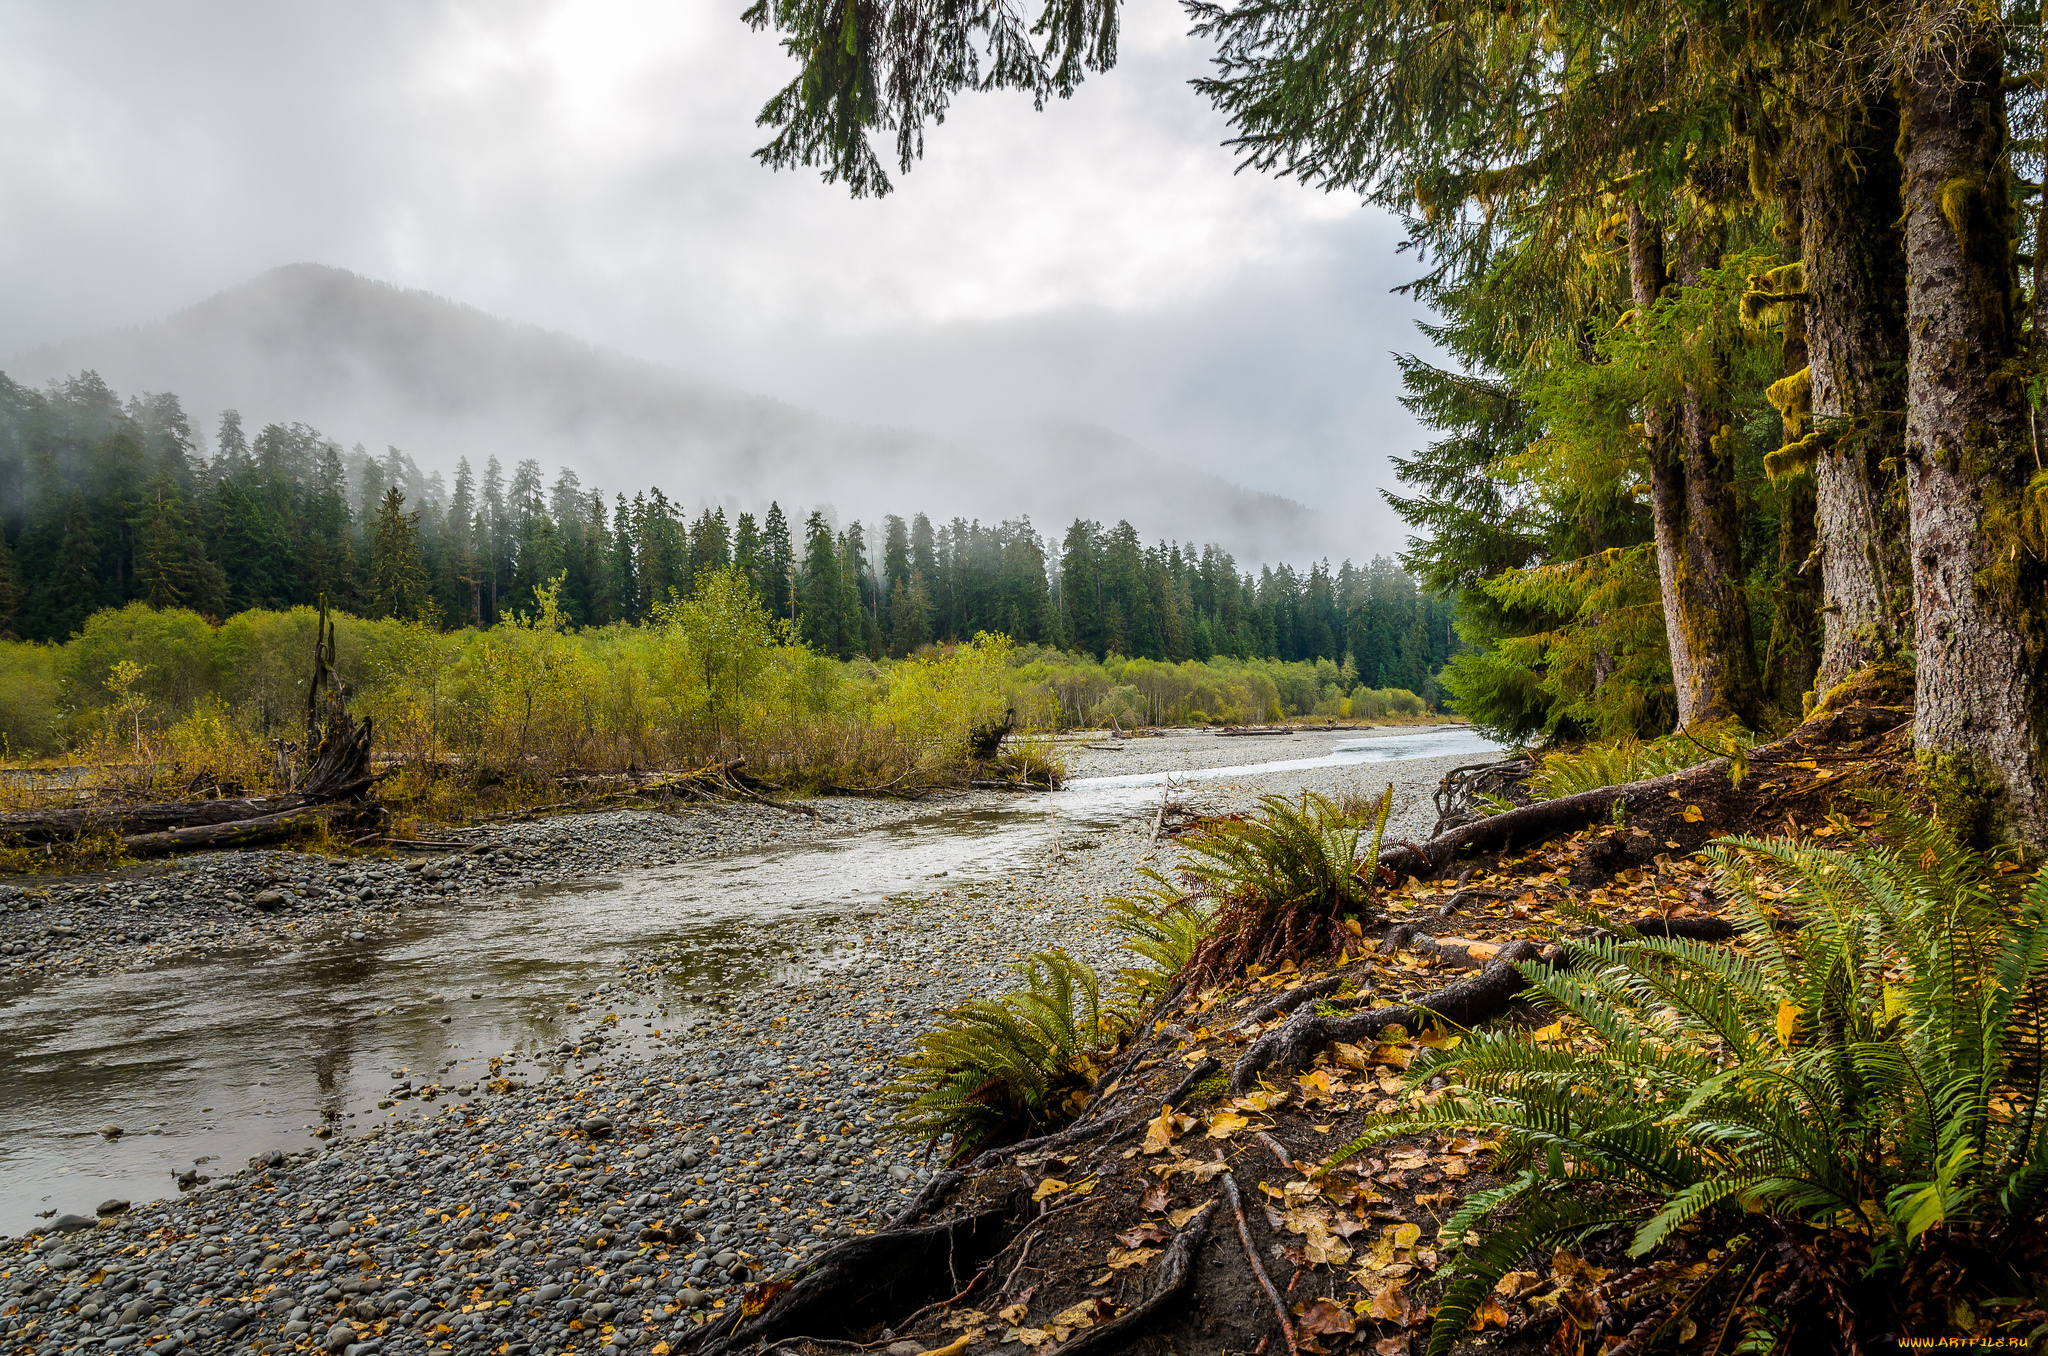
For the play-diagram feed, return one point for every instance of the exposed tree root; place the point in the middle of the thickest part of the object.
(1251, 1257)
(862, 1279)
(1464, 1004)
(1292, 999)
(1174, 1269)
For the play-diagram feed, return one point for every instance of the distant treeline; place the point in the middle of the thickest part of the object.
(106, 502)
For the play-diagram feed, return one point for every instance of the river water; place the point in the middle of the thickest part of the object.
(214, 1059)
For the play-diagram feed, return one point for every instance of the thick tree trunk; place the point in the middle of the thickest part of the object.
(1714, 606)
(1978, 607)
(1856, 341)
(1692, 511)
(1792, 656)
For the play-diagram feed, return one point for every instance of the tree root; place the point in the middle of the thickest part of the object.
(1464, 1004)
(859, 1278)
(1174, 1269)
(1292, 999)
(1251, 1256)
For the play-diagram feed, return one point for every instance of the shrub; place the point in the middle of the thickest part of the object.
(1001, 1069)
(29, 698)
(1877, 1075)
(1627, 759)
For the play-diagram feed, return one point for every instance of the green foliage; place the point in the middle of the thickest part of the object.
(1000, 1069)
(1163, 927)
(1290, 882)
(1879, 1071)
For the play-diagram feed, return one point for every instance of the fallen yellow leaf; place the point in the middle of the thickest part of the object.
(1224, 1124)
(952, 1348)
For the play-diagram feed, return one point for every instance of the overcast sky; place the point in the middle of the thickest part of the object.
(585, 166)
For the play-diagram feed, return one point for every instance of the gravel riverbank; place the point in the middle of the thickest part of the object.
(613, 1190)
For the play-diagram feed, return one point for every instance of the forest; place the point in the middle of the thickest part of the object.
(109, 502)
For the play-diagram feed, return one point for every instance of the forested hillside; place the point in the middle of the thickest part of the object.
(110, 501)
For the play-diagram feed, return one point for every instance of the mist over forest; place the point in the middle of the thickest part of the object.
(367, 362)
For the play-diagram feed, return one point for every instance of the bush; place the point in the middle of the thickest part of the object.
(29, 699)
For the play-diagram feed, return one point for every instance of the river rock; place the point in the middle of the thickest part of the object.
(71, 1224)
(113, 1207)
(270, 901)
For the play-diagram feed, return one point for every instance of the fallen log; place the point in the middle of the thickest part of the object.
(50, 826)
(235, 834)
(1548, 819)
(1544, 820)
(1254, 731)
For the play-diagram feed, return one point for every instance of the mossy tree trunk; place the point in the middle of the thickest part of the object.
(1978, 604)
(1855, 259)
(1714, 605)
(1647, 278)
(1792, 657)
(1693, 514)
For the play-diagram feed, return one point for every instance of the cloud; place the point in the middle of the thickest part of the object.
(586, 166)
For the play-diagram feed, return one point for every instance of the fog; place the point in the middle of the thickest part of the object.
(1052, 315)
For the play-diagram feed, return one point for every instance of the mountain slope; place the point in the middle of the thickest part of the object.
(365, 361)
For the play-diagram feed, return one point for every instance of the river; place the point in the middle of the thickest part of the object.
(217, 1059)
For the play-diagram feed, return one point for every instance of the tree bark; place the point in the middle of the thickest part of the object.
(1855, 262)
(1978, 609)
(1792, 655)
(1714, 605)
(1693, 513)
(1647, 277)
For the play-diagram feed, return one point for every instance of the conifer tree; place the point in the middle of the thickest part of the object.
(398, 578)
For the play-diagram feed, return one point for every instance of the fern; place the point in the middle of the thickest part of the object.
(1283, 883)
(1879, 1071)
(1163, 928)
(1003, 1068)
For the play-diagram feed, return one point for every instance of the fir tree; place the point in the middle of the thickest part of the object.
(398, 577)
